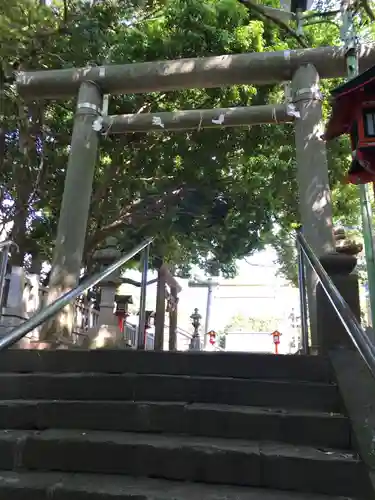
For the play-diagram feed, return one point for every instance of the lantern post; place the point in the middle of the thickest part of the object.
(209, 284)
(276, 340)
(195, 343)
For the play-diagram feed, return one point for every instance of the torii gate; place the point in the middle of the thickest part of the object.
(303, 67)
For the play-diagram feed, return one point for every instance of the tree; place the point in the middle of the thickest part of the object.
(240, 323)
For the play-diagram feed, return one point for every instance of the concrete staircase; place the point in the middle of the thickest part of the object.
(110, 425)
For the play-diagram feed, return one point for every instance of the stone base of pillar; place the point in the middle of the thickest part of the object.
(331, 332)
(10, 320)
(314, 350)
(108, 336)
(195, 344)
(15, 311)
(37, 345)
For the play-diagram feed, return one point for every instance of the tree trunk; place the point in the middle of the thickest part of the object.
(18, 234)
(173, 319)
(160, 311)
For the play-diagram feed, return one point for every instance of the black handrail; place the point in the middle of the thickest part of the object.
(303, 302)
(353, 327)
(52, 309)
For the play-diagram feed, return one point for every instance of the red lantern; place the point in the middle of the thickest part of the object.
(276, 340)
(212, 335)
(362, 169)
(121, 309)
(354, 113)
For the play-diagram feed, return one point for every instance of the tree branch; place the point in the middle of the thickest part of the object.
(366, 7)
(65, 15)
(251, 4)
(143, 208)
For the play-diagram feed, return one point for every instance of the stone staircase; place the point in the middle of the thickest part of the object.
(110, 425)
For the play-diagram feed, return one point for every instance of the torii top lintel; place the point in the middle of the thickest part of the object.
(257, 68)
(346, 99)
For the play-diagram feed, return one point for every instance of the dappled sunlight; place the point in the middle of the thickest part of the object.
(58, 330)
(258, 68)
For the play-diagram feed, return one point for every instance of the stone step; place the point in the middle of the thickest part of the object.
(184, 458)
(241, 422)
(221, 364)
(60, 486)
(234, 391)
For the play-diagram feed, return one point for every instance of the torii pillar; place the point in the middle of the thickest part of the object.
(74, 212)
(312, 175)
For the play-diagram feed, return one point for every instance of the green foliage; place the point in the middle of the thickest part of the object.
(240, 323)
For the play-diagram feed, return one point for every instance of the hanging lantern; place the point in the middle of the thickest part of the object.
(353, 113)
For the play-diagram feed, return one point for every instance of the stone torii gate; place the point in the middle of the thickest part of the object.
(303, 67)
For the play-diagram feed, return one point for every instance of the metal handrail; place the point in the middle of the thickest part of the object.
(355, 331)
(303, 302)
(52, 309)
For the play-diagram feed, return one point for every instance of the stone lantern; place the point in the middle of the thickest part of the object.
(109, 333)
(195, 343)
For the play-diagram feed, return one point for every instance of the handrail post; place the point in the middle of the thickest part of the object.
(3, 272)
(302, 299)
(350, 322)
(141, 341)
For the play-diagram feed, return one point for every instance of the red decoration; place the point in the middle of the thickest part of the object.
(353, 112)
(276, 340)
(121, 321)
(212, 335)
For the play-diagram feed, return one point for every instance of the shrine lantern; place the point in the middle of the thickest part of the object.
(276, 340)
(122, 309)
(212, 337)
(353, 112)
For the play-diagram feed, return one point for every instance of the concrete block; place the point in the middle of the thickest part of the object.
(357, 387)
(249, 423)
(215, 461)
(315, 470)
(60, 486)
(86, 386)
(235, 365)
(177, 458)
(331, 331)
(14, 486)
(107, 337)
